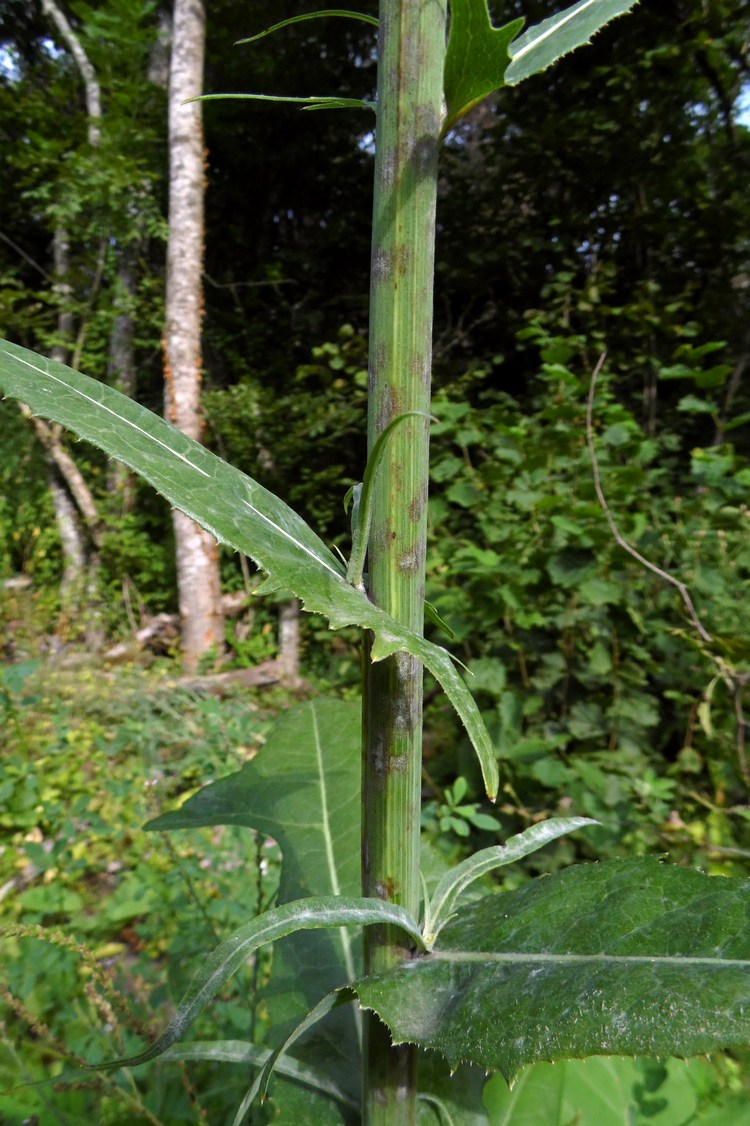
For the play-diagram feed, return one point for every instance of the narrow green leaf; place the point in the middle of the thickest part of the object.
(456, 880)
(632, 958)
(235, 509)
(431, 615)
(276, 1058)
(363, 501)
(476, 58)
(242, 1052)
(341, 12)
(314, 101)
(230, 955)
(546, 42)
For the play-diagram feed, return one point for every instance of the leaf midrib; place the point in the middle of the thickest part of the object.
(681, 960)
(329, 843)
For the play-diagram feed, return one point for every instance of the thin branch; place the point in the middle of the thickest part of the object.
(25, 256)
(680, 586)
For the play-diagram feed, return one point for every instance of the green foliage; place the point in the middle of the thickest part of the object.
(235, 509)
(82, 770)
(262, 431)
(662, 1092)
(454, 815)
(590, 709)
(593, 711)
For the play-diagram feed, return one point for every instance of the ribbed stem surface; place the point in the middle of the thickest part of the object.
(410, 74)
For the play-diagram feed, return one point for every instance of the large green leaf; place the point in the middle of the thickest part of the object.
(546, 42)
(234, 508)
(614, 1090)
(302, 789)
(633, 957)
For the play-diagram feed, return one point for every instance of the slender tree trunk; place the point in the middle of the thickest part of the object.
(72, 537)
(197, 553)
(410, 82)
(289, 641)
(121, 370)
(71, 495)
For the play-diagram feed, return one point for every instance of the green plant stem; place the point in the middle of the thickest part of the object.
(410, 74)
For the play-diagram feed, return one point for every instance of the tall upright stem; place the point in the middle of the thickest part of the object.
(410, 79)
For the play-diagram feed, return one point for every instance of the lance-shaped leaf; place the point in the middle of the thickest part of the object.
(481, 59)
(342, 13)
(313, 101)
(234, 508)
(633, 958)
(230, 955)
(302, 789)
(439, 909)
(242, 1052)
(546, 42)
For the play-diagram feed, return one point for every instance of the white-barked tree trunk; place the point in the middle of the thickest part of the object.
(196, 551)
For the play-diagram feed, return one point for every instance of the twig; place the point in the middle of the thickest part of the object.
(25, 256)
(702, 632)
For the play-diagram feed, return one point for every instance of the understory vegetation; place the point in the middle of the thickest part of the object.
(587, 559)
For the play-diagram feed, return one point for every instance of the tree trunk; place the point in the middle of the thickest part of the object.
(71, 495)
(121, 370)
(289, 641)
(197, 553)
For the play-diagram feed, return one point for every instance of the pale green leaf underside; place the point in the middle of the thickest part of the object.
(233, 952)
(632, 958)
(234, 508)
(546, 42)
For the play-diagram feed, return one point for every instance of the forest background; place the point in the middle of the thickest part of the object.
(611, 213)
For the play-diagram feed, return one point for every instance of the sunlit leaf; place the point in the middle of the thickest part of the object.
(627, 957)
(457, 879)
(235, 509)
(542, 45)
(481, 59)
(233, 952)
(476, 58)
